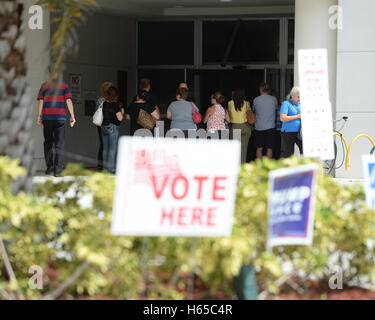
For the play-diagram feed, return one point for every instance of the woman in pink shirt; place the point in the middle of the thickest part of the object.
(216, 114)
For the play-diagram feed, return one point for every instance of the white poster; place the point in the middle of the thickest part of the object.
(316, 110)
(368, 162)
(175, 187)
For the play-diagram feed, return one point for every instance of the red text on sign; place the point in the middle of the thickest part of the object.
(180, 187)
(184, 216)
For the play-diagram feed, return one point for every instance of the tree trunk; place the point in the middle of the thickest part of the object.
(15, 102)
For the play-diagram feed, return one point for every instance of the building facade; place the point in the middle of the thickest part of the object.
(213, 45)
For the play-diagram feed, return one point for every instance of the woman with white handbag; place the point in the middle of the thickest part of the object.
(112, 117)
(98, 119)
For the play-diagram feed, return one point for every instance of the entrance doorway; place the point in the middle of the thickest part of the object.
(226, 81)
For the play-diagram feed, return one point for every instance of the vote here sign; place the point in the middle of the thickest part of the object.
(316, 110)
(175, 187)
(291, 206)
(369, 174)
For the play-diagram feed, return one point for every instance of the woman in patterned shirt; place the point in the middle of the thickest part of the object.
(216, 114)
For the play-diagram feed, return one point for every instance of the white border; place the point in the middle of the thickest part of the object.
(310, 227)
(366, 160)
(120, 197)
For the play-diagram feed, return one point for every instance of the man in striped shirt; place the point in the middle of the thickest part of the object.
(54, 96)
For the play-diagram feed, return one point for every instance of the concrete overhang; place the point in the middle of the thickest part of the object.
(168, 8)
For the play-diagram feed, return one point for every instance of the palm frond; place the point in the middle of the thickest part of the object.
(68, 15)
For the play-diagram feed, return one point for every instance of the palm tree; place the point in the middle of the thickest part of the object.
(15, 125)
(15, 95)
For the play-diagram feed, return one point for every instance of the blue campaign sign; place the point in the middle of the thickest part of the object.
(369, 174)
(291, 205)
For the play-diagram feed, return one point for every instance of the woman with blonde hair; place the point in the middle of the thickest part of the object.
(99, 103)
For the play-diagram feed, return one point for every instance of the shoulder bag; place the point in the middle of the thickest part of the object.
(146, 120)
(251, 117)
(98, 116)
(197, 117)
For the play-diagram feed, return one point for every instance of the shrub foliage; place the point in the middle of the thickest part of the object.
(65, 229)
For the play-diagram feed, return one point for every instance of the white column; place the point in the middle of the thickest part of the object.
(37, 59)
(312, 31)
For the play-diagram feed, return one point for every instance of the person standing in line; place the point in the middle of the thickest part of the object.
(237, 108)
(216, 114)
(183, 85)
(103, 95)
(278, 125)
(112, 117)
(265, 107)
(134, 109)
(144, 91)
(54, 97)
(290, 115)
(181, 112)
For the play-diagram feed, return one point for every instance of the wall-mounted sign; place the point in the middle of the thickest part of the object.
(75, 84)
(291, 205)
(163, 189)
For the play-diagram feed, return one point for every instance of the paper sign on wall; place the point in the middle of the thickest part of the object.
(316, 110)
(175, 187)
(369, 174)
(75, 83)
(291, 205)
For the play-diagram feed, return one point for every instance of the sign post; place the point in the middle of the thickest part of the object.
(316, 110)
(291, 205)
(161, 190)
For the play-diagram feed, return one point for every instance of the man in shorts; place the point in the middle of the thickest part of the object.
(265, 107)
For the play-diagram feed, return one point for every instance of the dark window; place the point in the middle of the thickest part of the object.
(164, 83)
(122, 84)
(226, 81)
(255, 41)
(166, 43)
(273, 79)
(291, 41)
(289, 82)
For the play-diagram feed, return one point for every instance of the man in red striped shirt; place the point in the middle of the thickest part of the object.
(54, 96)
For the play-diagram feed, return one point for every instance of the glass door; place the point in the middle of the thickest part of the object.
(273, 79)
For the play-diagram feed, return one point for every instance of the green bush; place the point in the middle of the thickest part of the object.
(343, 229)
(53, 230)
(65, 225)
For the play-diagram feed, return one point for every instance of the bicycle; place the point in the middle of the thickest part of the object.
(329, 166)
(362, 135)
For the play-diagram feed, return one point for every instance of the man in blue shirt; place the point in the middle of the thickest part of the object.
(290, 115)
